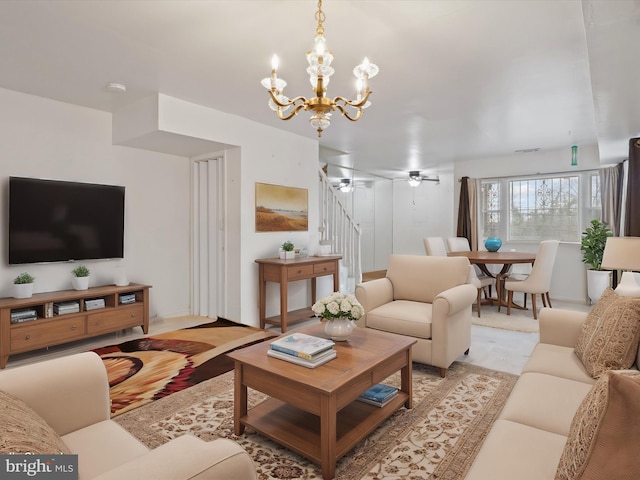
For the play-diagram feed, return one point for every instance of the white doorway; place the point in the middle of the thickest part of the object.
(208, 292)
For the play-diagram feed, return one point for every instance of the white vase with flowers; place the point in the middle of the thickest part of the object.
(339, 310)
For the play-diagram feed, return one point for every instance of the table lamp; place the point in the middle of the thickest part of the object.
(623, 253)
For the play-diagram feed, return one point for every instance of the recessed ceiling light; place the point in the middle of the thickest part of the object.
(115, 87)
(527, 150)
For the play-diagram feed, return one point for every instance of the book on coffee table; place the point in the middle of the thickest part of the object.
(378, 395)
(320, 359)
(302, 345)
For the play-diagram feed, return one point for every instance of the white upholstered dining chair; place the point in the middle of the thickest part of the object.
(435, 246)
(538, 281)
(476, 277)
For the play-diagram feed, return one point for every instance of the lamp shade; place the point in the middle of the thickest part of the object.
(622, 253)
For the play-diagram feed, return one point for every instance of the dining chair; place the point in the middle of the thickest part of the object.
(435, 246)
(538, 281)
(477, 278)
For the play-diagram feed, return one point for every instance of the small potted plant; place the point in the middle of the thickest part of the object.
(287, 251)
(592, 245)
(23, 286)
(80, 277)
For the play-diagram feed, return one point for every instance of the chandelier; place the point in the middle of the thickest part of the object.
(320, 71)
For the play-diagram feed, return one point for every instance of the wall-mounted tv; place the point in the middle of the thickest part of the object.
(56, 221)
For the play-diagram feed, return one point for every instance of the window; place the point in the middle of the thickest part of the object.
(532, 209)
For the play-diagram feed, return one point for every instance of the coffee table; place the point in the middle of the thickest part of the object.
(314, 412)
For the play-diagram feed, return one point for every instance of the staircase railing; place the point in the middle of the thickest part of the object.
(339, 228)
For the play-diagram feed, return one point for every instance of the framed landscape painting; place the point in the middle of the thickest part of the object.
(281, 209)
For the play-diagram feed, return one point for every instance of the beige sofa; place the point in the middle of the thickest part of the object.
(527, 440)
(71, 394)
(427, 298)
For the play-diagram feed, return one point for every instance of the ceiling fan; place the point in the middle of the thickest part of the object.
(345, 185)
(415, 178)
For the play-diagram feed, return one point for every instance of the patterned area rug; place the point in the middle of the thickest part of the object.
(437, 439)
(147, 369)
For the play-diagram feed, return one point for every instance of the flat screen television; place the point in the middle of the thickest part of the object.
(57, 221)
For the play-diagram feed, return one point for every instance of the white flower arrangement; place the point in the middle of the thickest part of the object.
(338, 305)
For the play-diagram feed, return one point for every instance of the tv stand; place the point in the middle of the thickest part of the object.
(50, 329)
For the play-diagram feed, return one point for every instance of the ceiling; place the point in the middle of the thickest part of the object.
(459, 80)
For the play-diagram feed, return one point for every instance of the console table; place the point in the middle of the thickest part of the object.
(50, 329)
(285, 271)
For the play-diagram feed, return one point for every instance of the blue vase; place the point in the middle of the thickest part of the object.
(492, 244)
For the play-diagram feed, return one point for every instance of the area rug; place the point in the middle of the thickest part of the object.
(518, 321)
(437, 439)
(144, 370)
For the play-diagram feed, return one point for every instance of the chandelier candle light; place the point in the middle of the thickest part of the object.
(320, 71)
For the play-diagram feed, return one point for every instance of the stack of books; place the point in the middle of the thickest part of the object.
(60, 308)
(92, 304)
(25, 315)
(378, 395)
(127, 298)
(302, 349)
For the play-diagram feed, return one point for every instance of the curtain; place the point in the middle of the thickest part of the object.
(474, 188)
(632, 210)
(611, 179)
(468, 211)
(464, 213)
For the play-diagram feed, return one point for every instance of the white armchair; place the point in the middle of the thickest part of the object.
(71, 395)
(427, 298)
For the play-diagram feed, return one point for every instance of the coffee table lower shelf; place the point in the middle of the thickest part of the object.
(300, 431)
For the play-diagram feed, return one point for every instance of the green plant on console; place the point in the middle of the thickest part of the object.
(81, 271)
(23, 278)
(287, 246)
(592, 244)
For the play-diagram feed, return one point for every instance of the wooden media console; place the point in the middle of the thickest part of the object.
(49, 328)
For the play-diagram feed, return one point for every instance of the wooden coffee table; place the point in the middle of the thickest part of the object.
(314, 411)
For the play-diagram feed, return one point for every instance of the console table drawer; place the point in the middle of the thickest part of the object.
(115, 320)
(299, 272)
(326, 268)
(43, 334)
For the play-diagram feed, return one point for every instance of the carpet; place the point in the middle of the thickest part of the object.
(144, 370)
(519, 320)
(437, 439)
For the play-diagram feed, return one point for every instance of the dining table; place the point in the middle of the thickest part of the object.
(507, 259)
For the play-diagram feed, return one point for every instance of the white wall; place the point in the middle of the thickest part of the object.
(432, 210)
(423, 211)
(260, 154)
(47, 139)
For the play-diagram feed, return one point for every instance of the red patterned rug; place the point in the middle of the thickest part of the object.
(143, 370)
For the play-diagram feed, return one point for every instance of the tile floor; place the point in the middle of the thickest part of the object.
(493, 348)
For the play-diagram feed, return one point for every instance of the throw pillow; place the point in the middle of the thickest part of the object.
(610, 335)
(604, 434)
(22, 430)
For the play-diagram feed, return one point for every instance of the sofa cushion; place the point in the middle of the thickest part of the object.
(610, 335)
(558, 361)
(552, 411)
(188, 458)
(605, 434)
(513, 451)
(24, 431)
(403, 317)
(103, 446)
